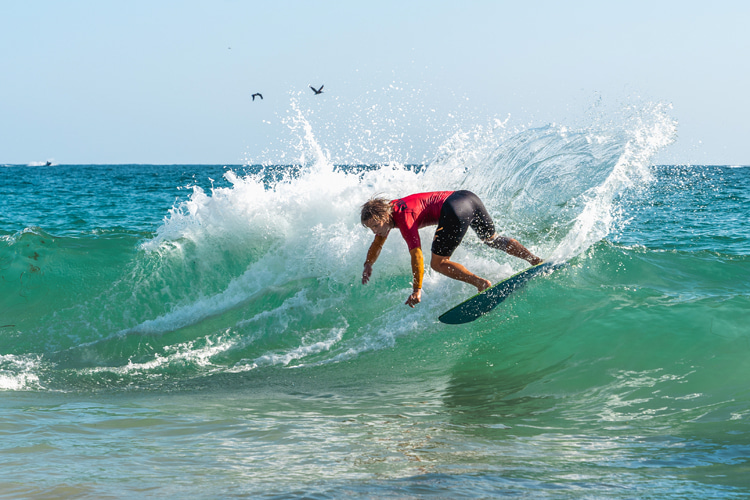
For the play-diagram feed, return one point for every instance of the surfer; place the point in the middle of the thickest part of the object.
(453, 212)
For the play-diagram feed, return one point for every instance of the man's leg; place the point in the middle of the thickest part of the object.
(454, 270)
(512, 247)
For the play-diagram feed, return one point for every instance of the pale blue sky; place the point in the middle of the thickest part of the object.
(96, 81)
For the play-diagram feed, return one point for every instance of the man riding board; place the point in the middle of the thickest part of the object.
(453, 212)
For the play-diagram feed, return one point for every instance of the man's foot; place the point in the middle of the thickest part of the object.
(484, 285)
(535, 261)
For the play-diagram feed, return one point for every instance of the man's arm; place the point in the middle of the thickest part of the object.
(372, 256)
(417, 271)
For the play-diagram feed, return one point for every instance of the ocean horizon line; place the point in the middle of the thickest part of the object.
(128, 164)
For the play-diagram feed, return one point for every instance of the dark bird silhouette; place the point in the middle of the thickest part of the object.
(257, 94)
(318, 91)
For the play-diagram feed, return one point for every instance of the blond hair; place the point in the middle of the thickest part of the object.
(376, 210)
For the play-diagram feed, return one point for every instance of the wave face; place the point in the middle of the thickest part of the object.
(261, 269)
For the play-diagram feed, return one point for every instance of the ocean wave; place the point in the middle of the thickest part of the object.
(261, 271)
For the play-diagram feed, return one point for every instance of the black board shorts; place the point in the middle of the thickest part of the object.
(460, 210)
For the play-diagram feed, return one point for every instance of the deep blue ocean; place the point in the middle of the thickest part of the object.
(201, 331)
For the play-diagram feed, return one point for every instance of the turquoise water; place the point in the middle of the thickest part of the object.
(201, 331)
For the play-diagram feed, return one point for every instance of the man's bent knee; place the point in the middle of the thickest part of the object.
(436, 262)
(498, 242)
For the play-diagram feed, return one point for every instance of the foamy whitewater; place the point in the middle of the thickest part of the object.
(202, 332)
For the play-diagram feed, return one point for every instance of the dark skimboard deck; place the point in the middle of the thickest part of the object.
(482, 303)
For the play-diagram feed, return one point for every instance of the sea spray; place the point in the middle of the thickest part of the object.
(648, 131)
(263, 267)
(552, 176)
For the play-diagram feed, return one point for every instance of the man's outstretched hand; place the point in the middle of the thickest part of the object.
(366, 273)
(415, 298)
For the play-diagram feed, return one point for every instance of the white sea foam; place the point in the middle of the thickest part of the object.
(19, 373)
(646, 132)
(553, 187)
(197, 352)
(307, 348)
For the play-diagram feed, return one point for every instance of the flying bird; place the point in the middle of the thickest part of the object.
(317, 91)
(258, 95)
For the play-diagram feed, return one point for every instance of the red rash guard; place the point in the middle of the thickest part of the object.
(417, 211)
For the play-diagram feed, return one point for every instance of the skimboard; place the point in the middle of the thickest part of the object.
(482, 303)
